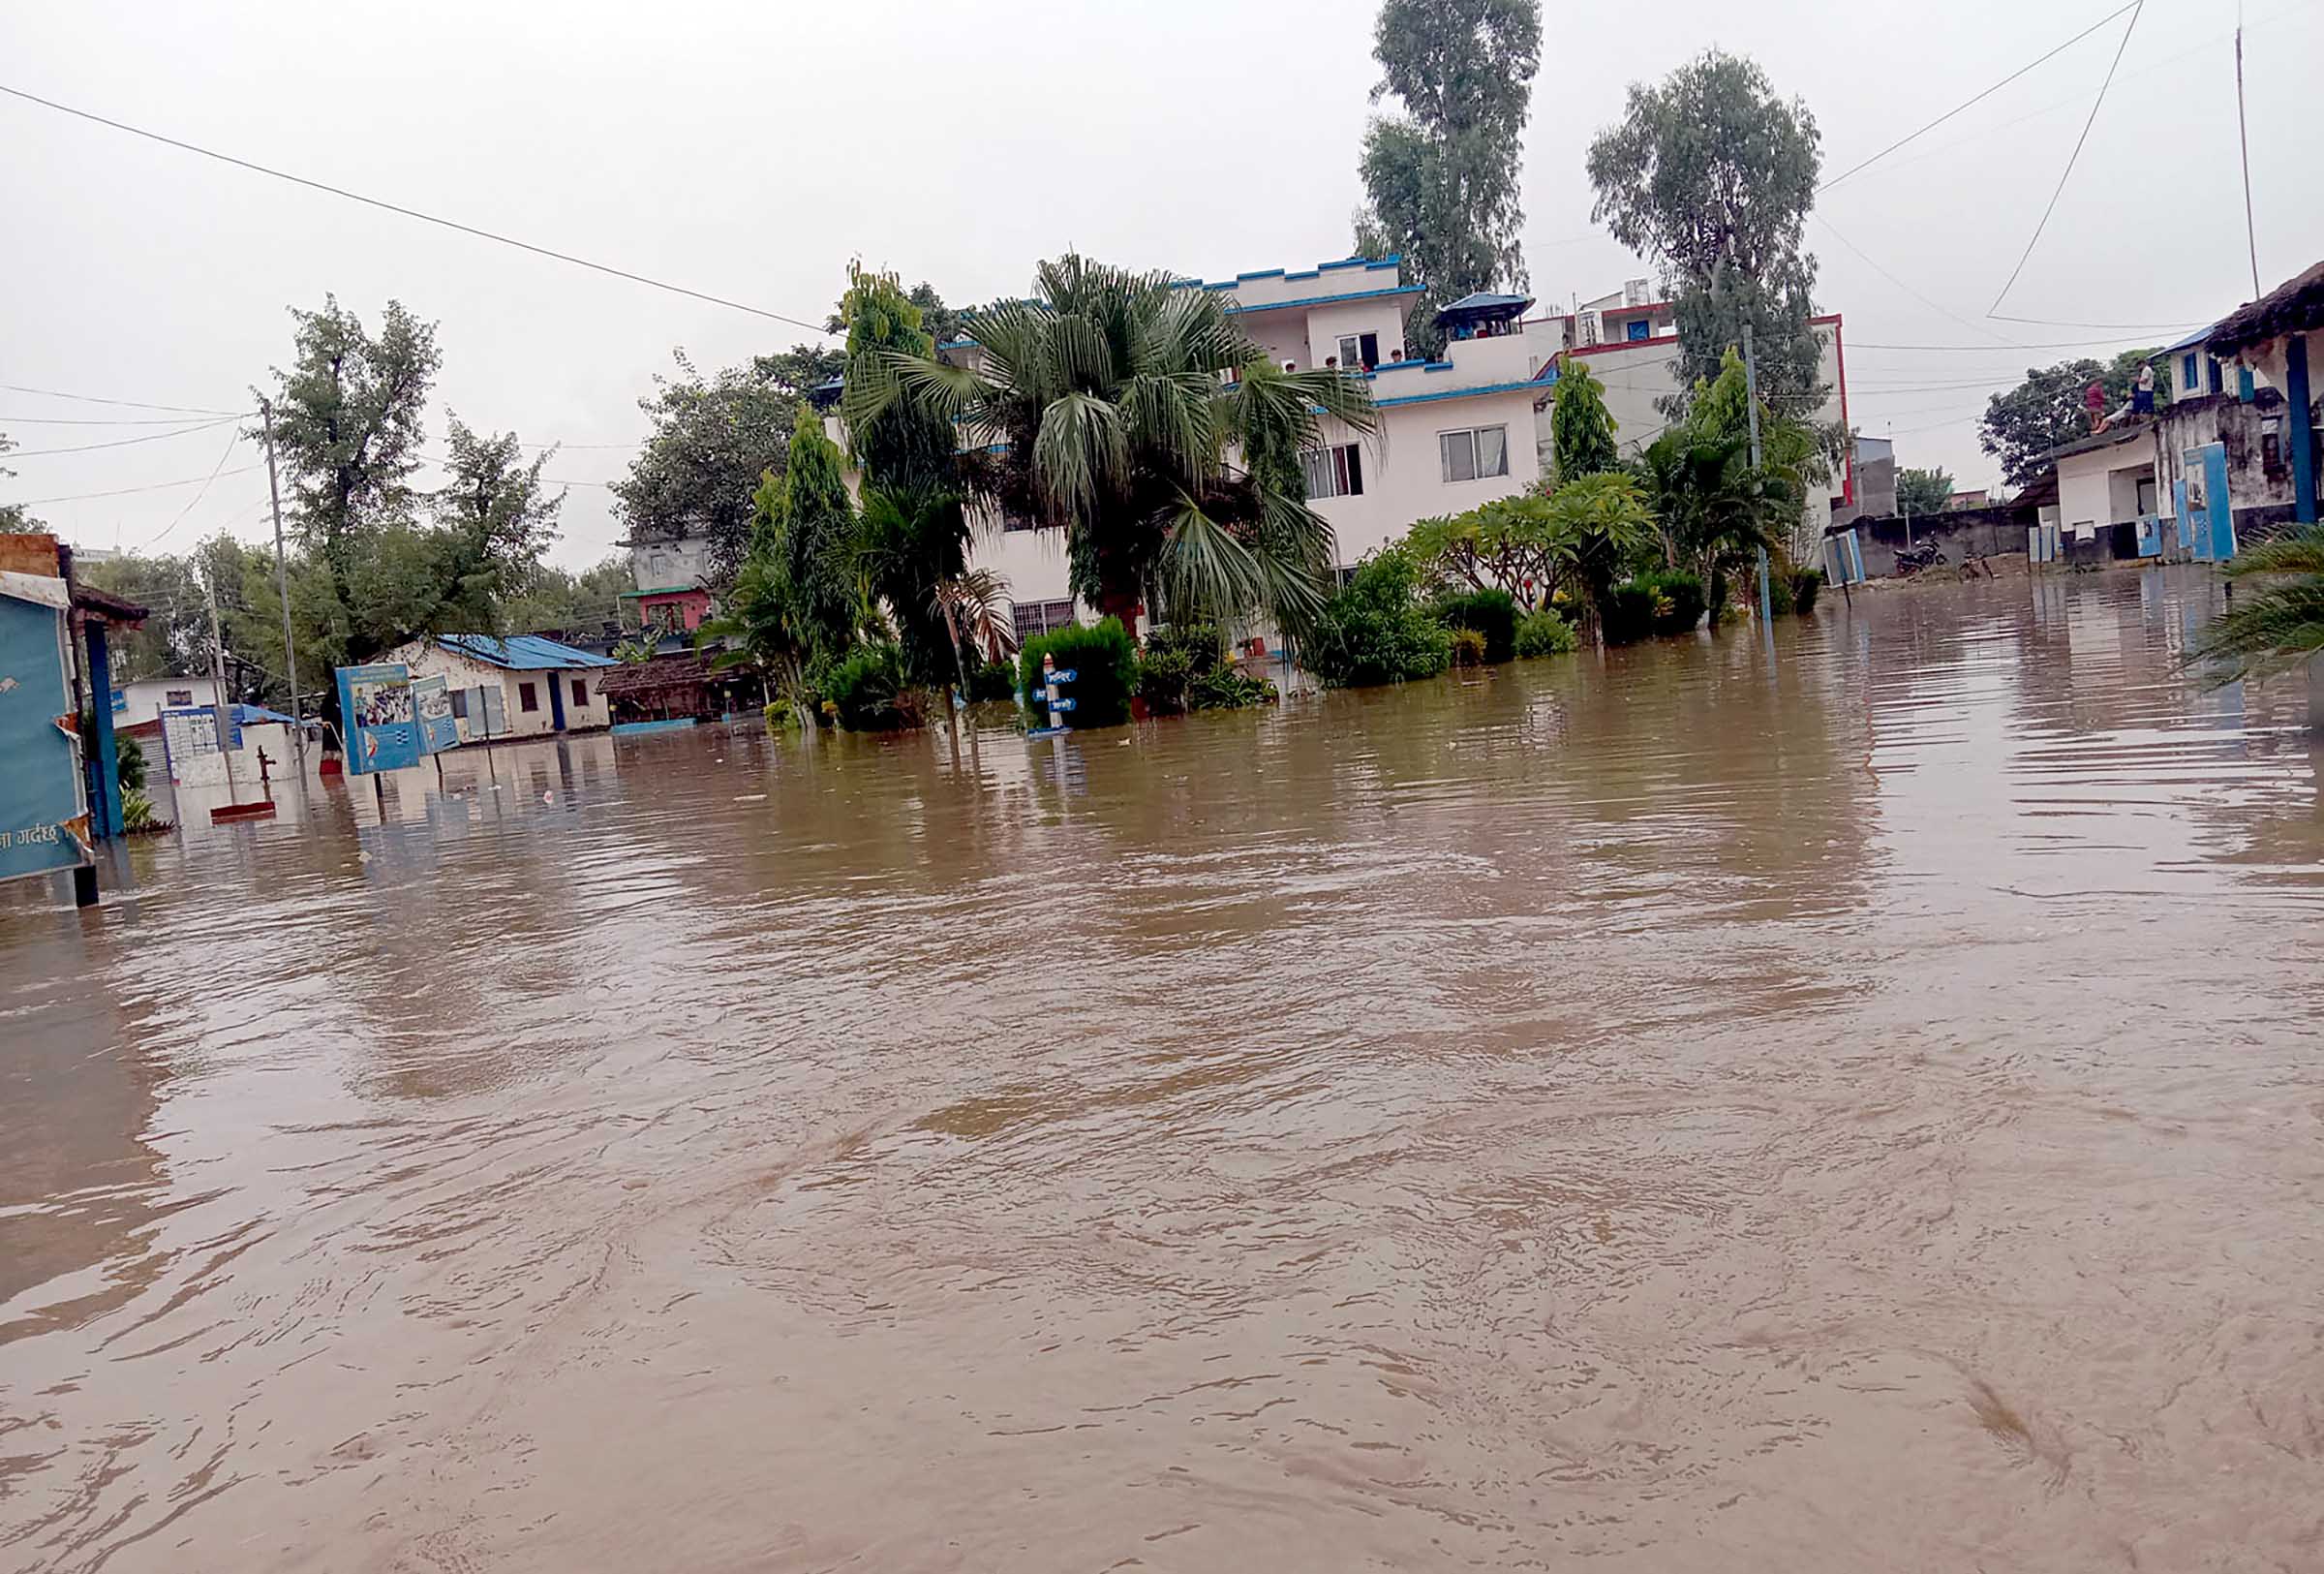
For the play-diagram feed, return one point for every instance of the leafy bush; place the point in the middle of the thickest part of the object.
(1223, 687)
(1780, 603)
(1372, 633)
(866, 691)
(1628, 615)
(138, 818)
(1105, 665)
(1468, 647)
(1492, 613)
(991, 680)
(1163, 674)
(1545, 634)
(129, 755)
(1806, 585)
(1679, 599)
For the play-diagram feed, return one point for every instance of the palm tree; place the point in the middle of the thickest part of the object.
(1715, 508)
(2280, 624)
(1139, 417)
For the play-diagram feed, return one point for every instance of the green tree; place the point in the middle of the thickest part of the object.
(1111, 405)
(1443, 178)
(348, 424)
(1581, 429)
(495, 518)
(915, 531)
(1713, 176)
(1923, 491)
(2047, 409)
(551, 599)
(713, 439)
(805, 530)
(1610, 524)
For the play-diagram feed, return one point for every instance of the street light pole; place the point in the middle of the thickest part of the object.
(282, 581)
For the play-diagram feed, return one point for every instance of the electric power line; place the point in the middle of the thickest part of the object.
(1991, 349)
(121, 442)
(125, 404)
(124, 491)
(1857, 168)
(232, 437)
(409, 212)
(102, 420)
(2136, 8)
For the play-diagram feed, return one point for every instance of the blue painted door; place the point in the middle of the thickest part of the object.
(2222, 511)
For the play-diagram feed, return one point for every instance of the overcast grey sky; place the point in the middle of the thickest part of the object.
(749, 150)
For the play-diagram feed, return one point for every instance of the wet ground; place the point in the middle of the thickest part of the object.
(1660, 1115)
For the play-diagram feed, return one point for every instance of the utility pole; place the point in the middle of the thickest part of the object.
(225, 731)
(1751, 402)
(2244, 136)
(282, 581)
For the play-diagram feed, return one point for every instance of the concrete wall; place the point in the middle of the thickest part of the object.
(144, 700)
(1404, 476)
(664, 565)
(1993, 531)
(2089, 489)
(1326, 323)
(2253, 481)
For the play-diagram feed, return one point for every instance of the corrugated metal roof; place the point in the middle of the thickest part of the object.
(521, 653)
(1484, 300)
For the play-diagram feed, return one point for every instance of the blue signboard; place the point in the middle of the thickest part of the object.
(375, 715)
(44, 810)
(432, 706)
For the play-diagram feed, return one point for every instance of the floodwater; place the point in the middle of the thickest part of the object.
(1659, 1115)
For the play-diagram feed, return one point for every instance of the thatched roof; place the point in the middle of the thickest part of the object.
(2296, 306)
(634, 679)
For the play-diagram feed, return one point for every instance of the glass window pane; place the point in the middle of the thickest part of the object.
(1459, 451)
(1316, 463)
(1492, 450)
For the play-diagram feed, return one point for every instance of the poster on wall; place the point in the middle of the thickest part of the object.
(43, 802)
(190, 733)
(375, 711)
(432, 704)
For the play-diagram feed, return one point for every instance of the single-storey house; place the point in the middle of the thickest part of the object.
(519, 687)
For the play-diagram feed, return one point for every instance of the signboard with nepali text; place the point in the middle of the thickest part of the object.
(432, 705)
(375, 716)
(43, 802)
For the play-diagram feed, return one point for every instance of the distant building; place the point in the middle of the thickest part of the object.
(673, 578)
(138, 706)
(1630, 342)
(520, 687)
(1976, 498)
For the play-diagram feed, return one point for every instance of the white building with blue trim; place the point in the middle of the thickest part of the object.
(1452, 432)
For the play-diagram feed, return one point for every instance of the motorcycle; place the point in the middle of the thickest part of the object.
(1913, 559)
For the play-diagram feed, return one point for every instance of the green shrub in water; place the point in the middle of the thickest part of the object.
(1679, 600)
(866, 691)
(991, 680)
(1223, 687)
(1373, 632)
(1492, 614)
(1104, 662)
(1468, 647)
(1806, 585)
(1545, 634)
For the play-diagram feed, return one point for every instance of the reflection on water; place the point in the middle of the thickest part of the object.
(1668, 1111)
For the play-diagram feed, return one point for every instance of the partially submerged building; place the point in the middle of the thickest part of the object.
(519, 687)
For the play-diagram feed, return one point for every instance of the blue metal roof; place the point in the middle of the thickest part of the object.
(2190, 341)
(1368, 263)
(521, 653)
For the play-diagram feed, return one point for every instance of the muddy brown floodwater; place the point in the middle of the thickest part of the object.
(1650, 1116)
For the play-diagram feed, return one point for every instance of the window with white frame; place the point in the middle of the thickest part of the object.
(1036, 618)
(1358, 352)
(1474, 453)
(1334, 471)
